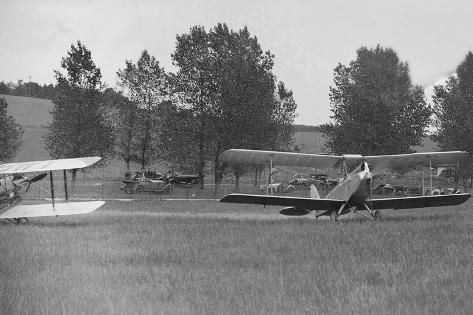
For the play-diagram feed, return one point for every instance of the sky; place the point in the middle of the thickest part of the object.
(308, 38)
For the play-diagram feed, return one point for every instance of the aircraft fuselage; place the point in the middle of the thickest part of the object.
(355, 189)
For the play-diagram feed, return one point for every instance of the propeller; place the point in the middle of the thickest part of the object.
(38, 177)
(34, 179)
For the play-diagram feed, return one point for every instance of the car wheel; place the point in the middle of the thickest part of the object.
(140, 189)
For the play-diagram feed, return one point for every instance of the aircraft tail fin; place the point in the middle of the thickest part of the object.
(314, 194)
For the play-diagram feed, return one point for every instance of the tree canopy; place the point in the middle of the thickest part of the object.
(225, 79)
(145, 84)
(453, 108)
(375, 108)
(79, 125)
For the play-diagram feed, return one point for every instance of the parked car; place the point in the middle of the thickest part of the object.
(320, 177)
(144, 185)
(304, 182)
(184, 179)
(148, 184)
(330, 182)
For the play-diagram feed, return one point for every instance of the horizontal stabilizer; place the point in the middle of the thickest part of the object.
(299, 203)
(418, 202)
(45, 210)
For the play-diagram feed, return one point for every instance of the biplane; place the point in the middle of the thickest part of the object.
(14, 186)
(353, 193)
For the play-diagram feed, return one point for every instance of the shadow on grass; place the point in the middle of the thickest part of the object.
(51, 224)
(402, 218)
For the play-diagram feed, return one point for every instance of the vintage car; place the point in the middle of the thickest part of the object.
(145, 185)
(184, 179)
(304, 182)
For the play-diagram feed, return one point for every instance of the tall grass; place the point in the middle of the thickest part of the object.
(131, 258)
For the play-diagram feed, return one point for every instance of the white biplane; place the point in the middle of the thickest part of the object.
(353, 194)
(13, 188)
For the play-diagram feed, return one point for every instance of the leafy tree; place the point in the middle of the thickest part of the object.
(196, 87)
(453, 108)
(376, 109)
(180, 139)
(145, 83)
(226, 80)
(124, 117)
(79, 125)
(10, 134)
(4, 88)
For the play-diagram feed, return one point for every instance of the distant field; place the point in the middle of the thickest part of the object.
(33, 115)
(203, 257)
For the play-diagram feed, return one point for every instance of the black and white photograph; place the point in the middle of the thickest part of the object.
(236, 157)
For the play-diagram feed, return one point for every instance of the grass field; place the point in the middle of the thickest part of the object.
(203, 257)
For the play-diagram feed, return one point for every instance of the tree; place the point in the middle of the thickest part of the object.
(145, 83)
(453, 108)
(79, 125)
(125, 119)
(226, 81)
(10, 134)
(196, 86)
(375, 107)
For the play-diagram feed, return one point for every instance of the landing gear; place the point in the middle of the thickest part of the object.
(373, 215)
(376, 215)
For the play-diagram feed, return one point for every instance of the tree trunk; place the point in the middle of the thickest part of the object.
(217, 174)
(145, 144)
(236, 172)
(201, 165)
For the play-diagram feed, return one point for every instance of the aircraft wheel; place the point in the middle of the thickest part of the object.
(376, 215)
(334, 216)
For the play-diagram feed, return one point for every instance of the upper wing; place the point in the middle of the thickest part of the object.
(256, 157)
(449, 158)
(45, 210)
(301, 203)
(418, 202)
(48, 165)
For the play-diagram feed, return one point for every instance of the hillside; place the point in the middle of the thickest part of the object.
(33, 114)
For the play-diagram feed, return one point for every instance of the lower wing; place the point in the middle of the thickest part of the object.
(418, 202)
(45, 210)
(299, 203)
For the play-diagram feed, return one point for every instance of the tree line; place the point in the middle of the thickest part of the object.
(225, 95)
(30, 89)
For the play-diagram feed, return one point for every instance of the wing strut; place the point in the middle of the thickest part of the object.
(423, 182)
(52, 189)
(430, 175)
(65, 184)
